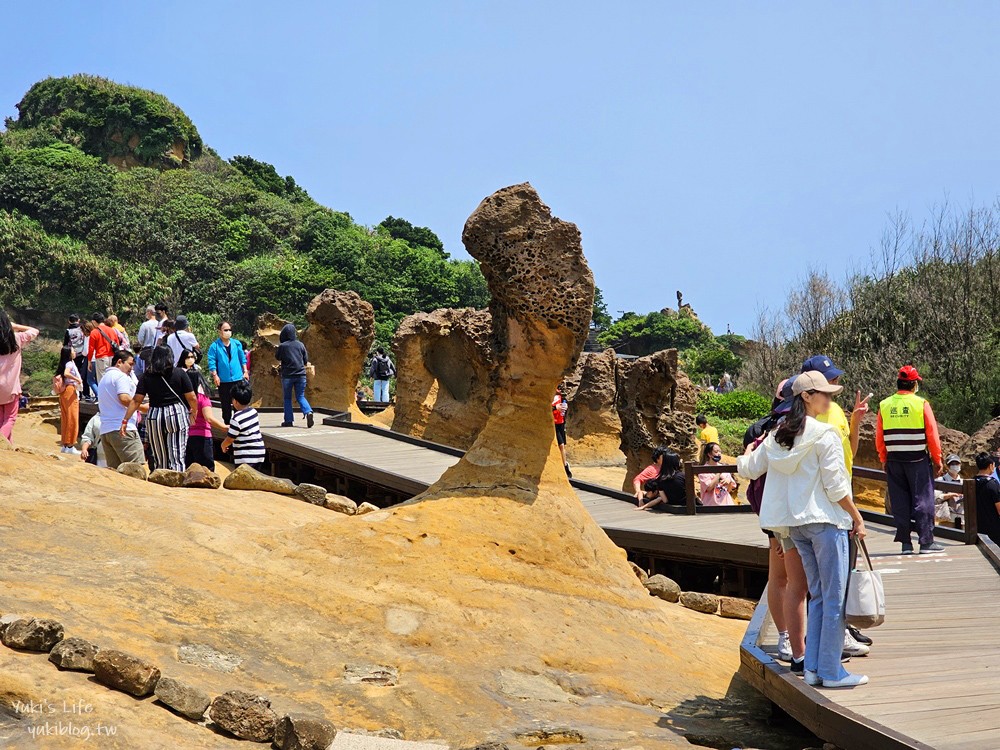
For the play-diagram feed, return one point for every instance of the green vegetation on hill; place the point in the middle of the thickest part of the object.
(207, 236)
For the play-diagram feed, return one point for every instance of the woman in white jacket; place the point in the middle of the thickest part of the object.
(808, 497)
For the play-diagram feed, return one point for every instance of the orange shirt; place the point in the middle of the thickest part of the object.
(100, 346)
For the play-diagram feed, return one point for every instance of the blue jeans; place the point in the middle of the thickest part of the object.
(823, 549)
(298, 386)
(382, 391)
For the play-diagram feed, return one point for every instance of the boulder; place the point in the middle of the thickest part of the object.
(699, 602)
(371, 674)
(246, 477)
(244, 715)
(340, 332)
(641, 574)
(183, 698)
(593, 427)
(366, 508)
(263, 366)
(199, 477)
(444, 359)
(299, 732)
(167, 477)
(311, 493)
(75, 654)
(340, 504)
(663, 587)
(549, 735)
(984, 440)
(125, 672)
(32, 634)
(134, 469)
(656, 403)
(737, 609)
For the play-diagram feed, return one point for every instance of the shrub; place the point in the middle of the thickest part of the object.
(734, 405)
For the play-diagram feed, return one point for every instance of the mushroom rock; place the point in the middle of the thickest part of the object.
(656, 403)
(340, 332)
(445, 361)
(264, 375)
(593, 427)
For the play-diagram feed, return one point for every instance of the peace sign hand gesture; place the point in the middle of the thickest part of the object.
(861, 404)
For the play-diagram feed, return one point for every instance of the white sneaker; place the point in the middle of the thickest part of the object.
(813, 679)
(852, 647)
(852, 680)
(784, 647)
(72, 451)
(63, 449)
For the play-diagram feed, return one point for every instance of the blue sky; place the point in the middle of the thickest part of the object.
(722, 149)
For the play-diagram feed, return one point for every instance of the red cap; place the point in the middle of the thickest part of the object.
(909, 372)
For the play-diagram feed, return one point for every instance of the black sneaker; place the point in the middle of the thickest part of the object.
(859, 636)
(926, 549)
(309, 419)
(285, 424)
(798, 667)
(907, 549)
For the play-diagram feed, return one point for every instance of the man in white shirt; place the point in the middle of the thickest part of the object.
(181, 339)
(114, 393)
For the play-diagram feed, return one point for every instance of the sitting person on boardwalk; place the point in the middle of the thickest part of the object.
(808, 497)
(948, 505)
(244, 430)
(660, 482)
(715, 488)
(987, 497)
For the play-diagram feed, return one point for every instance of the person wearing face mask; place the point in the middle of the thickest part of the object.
(907, 440)
(948, 505)
(227, 362)
(715, 488)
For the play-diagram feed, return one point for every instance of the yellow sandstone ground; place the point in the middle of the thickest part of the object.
(491, 632)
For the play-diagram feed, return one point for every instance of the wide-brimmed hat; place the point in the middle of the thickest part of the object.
(814, 381)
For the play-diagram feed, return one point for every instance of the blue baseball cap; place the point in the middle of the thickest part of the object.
(822, 364)
(785, 394)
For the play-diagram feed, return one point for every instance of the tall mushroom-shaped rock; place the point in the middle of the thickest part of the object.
(445, 361)
(593, 426)
(340, 333)
(656, 403)
(263, 374)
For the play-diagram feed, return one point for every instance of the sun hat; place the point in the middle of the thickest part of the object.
(814, 381)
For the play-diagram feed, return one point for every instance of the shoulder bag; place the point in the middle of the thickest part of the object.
(865, 607)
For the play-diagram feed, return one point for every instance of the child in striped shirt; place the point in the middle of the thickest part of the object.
(244, 430)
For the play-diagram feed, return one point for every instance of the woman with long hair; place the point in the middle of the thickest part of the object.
(169, 417)
(13, 338)
(668, 484)
(69, 399)
(807, 497)
(715, 488)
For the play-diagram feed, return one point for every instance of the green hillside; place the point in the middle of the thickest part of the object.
(109, 200)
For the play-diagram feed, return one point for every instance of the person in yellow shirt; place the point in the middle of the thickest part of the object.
(706, 433)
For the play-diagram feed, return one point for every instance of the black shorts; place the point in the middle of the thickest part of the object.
(561, 434)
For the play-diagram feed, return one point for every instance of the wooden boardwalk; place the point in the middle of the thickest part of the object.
(934, 669)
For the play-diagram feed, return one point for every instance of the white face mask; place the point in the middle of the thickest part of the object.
(954, 468)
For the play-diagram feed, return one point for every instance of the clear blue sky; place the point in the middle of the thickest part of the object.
(718, 148)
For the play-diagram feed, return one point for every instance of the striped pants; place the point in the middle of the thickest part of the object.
(167, 429)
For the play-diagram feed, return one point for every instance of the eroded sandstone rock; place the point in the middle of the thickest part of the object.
(656, 404)
(32, 634)
(737, 609)
(662, 587)
(244, 715)
(125, 672)
(75, 654)
(199, 477)
(365, 508)
(185, 699)
(593, 427)
(371, 674)
(340, 504)
(445, 361)
(134, 469)
(263, 366)
(167, 477)
(311, 493)
(699, 602)
(246, 477)
(300, 732)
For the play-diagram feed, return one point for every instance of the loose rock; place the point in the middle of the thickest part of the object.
(299, 732)
(311, 493)
(244, 715)
(663, 587)
(340, 504)
(641, 574)
(183, 698)
(125, 672)
(558, 735)
(74, 653)
(366, 508)
(167, 477)
(247, 478)
(32, 634)
(488, 746)
(737, 609)
(199, 477)
(135, 470)
(699, 602)
(371, 674)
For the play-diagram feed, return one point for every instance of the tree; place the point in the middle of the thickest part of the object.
(601, 319)
(401, 229)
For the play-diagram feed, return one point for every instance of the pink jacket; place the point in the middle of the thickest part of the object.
(10, 367)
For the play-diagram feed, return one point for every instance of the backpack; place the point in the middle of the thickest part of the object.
(382, 368)
(58, 384)
(75, 336)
